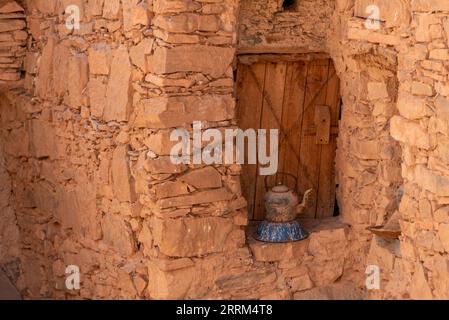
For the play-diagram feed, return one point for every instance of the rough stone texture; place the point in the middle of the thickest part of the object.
(12, 41)
(118, 92)
(214, 62)
(84, 145)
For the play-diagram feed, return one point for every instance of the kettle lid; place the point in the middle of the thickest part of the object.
(280, 188)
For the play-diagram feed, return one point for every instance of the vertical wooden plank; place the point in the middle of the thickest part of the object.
(275, 77)
(249, 106)
(292, 117)
(309, 168)
(283, 143)
(327, 186)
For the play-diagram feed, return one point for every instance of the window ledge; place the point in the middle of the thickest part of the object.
(324, 234)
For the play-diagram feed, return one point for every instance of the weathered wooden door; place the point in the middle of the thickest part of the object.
(302, 100)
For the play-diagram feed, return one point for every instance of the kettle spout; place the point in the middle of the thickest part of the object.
(307, 201)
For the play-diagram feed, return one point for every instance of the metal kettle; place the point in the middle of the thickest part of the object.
(281, 211)
(281, 202)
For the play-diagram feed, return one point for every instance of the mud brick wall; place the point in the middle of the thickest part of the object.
(12, 41)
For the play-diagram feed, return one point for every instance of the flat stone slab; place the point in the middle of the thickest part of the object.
(329, 229)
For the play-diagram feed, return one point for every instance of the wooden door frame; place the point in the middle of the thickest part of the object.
(248, 58)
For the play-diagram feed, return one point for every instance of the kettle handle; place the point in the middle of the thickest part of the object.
(281, 173)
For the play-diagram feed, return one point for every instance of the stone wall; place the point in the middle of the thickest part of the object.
(368, 162)
(85, 152)
(267, 26)
(12, 41)
(410, 46)
(9, 230)
(92, 182)
(421, 268)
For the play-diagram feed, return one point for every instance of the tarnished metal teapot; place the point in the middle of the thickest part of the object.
(281, 204)
(282, 208)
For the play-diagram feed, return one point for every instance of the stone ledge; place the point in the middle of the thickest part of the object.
(324, 230)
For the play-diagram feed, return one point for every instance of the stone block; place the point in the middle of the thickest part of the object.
(44, 80)
(412, 107)
(420, 289)
(337, 291)
(187, 23)
(439, 54)
(443, 234)
(135, 14)
(169, 284)
(121, 175)
(176, 6)
(10, 7)
(171, 189)
(214, 60)
(365, 149)
(174, 264)
(382, 254)
(409, 133)
(12, 25)
(42, 142)
(178, 38)
(100, 56)
(139, 52)
(373, 37)
(62, 62)
(76, 209)
(17, 143)
(442, 108)
(170, 112)
(271, 252)
(111, 9)
(440, 277)
(118, 93)
(432, 181)
(301, 283)
(189, 237)
(162, 165)
(159, 142)
(422, 32)
(247, 279)
(203, 178)
(393, 12)
(200, 197)
(97, 97)
(377, 90)
(441, 215)
(78, 75)
(324, 241)
(421, 89)
(117, 234)
(95, 7)
(429, 5)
